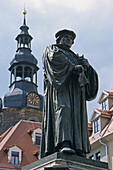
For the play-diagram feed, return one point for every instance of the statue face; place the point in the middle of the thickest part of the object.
(67, 41)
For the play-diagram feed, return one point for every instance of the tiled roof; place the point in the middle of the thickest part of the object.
(103, 112)
(107, 130)
(110, 93)
(19, 136)
(4, 134)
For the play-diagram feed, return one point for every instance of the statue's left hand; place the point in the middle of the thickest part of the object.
(80, 68)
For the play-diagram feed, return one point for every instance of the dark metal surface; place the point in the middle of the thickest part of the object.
(66, 91)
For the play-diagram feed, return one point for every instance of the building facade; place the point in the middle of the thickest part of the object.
(20, 145)
(101, 130)
(23, 100)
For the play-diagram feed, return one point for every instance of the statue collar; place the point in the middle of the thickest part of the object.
(63, 47)
(67, 49)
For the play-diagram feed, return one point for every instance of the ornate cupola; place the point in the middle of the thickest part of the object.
(23, 73)
(24, 39)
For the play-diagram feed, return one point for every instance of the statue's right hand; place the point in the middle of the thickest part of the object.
(79, 68)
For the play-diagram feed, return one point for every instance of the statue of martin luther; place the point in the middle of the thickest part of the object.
(69, 81)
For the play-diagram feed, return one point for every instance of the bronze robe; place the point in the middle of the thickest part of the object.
(64, 108)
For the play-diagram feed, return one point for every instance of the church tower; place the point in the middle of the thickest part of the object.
(23, 100)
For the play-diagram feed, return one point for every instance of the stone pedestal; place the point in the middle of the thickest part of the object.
(61, 161)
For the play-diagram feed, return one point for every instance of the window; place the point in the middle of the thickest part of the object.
(96, 125)
(36, 136)
(15, 158)
(98, 156)
(37, 139)
(28, 73)
(18, 73)
(91, 157)
(104, 105)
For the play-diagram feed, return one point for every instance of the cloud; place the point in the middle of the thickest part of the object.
(48, 5)
(90, 19)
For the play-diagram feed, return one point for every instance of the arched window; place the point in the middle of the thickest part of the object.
(26, 42)
(33, 119)
(21, 42)
(19, 73)
(28, 73)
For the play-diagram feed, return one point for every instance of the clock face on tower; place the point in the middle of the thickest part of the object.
(33, 100)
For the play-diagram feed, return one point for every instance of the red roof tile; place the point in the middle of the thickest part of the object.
(110, 93)
(4, 134)
(19, 136)
(104, 112)
(108, 129)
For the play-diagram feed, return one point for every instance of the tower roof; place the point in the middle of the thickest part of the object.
(23, 54)
(24, 28)
(23, 70)
(24, 38)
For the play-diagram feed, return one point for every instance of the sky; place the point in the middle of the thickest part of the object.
(91, 20)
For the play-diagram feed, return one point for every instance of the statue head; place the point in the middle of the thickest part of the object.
(65, 37)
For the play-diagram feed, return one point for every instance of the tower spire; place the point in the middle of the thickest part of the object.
(24, 38)
(24, 12)
(23, 70)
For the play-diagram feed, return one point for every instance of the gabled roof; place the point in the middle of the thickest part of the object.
(31, 131)
(110, 93)
(107, 130)
(98, 112)
(107, 113)
(7, 149)
(18, 136)
(103, 96)
(6, 139)
(95, 114)
(4, 134)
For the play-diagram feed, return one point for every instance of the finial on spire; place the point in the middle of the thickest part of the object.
(24, 12)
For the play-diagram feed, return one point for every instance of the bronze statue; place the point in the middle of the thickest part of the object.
(69, 81)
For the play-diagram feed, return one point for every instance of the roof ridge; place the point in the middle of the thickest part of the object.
(105, 111)
(29, 121)
(5, 133)
(7, 137)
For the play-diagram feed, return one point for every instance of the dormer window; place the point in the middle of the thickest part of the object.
(14, 155)
(36, 136)
(15, 158)
(104, 105)
(96, 125)
(37, 139)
